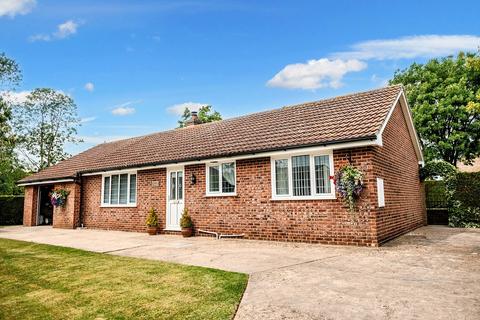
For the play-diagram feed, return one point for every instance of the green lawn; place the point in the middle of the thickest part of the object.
(48, 282)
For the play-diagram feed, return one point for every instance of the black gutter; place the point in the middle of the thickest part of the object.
(159, 163)
(80, 213)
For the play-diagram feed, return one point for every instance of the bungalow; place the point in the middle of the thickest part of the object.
(267, 175)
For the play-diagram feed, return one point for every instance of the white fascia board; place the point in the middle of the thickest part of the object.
(44, 182)
(336, 146)
(401, 99)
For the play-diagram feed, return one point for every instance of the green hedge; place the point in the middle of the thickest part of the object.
(11, 210)
(463, 190)
(436, 194)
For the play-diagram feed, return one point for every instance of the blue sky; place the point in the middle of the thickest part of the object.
(130, 64)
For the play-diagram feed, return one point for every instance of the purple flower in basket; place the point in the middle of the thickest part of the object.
(58, 198)
(349, 185)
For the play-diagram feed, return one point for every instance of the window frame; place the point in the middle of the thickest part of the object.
(219, 193)
(313, 181)
(128, 204)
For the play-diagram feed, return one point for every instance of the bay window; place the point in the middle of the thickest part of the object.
(221, 178)
(119, 189)
(302, 176)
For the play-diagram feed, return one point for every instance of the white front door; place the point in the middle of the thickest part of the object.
(175, 202)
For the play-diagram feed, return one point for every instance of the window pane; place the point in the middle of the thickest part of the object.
(180, 185)
(228, 177)
(301, 175)
(281, 176)
(214, 179)
(106, 190)
(173, 185)
(133, 188)
(123, 188)
(114, 190)
(322, 172)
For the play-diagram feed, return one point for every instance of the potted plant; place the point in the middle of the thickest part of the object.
(152, 222)
(186, 224)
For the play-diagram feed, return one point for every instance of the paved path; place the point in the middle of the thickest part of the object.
(431, 273)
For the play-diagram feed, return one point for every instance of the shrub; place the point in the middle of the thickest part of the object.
(436, 194)
(463, 189)
(464, 217)
(11, 210)
(437, 168)
(152, 218)
(186, 220)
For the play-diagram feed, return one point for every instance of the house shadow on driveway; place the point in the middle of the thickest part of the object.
(430, 273)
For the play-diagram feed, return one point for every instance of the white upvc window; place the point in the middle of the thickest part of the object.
(303, 176)
(119, 189)
(221, 178)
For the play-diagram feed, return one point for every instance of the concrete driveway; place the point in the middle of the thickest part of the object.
(430, 273)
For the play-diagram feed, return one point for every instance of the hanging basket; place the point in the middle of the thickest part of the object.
(58, 198)
(349, 185)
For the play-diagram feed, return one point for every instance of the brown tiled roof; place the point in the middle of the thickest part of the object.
(347, 118)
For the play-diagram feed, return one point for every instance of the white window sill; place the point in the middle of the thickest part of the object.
(209, 195)
(131, 205)
(315, 197)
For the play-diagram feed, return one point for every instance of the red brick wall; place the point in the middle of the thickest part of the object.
(250, 212)
(253, 213)
(397, 164)
(67, 216)
(30, 206)
(150, 193)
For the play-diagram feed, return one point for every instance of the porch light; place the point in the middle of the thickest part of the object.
(193, 178)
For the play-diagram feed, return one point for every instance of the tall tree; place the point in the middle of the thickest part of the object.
(45, 123)
(444, 95)
(10, 169)
(205, 114)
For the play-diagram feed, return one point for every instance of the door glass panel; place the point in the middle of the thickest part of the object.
(173, 185)
(180, 185)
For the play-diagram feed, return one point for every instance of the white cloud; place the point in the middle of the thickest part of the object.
(178, 109)
(315, 74)
(89, 86)
(14, 97)
(424, 46)
(87, 119)
(328, 72)
(13, 7)
(64, 30)
(125, 109)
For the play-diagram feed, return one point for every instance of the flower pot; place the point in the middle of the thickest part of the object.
(152, 230)
(187, 232)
